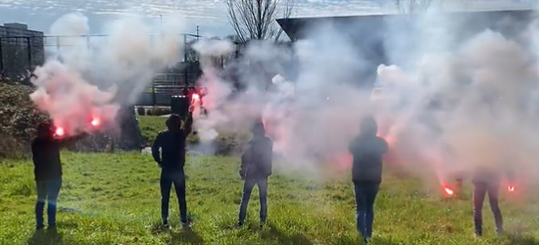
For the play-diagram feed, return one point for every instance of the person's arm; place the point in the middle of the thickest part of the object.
(35, 157)
(510, 174)
(385, 146)
(63, 142)
(156, 154)
(188, 125)
(244, 163)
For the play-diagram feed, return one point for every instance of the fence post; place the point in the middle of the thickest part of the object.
(1, 57)
(186, 83)
(154, 97)
(29, 47)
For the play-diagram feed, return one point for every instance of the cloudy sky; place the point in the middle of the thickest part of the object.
(210, 15)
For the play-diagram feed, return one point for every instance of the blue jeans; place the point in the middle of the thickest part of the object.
(479, 192)
(47, 191)
(178, 179)
(365, 197)
(263, 193)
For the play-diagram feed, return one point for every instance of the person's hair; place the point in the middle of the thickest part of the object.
(44, 127)
(174, 121)
(258, 129)
(369, 127)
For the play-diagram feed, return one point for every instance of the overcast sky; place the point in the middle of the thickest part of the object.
(210, 15)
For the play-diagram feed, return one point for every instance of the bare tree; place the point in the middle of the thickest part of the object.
(255, 19)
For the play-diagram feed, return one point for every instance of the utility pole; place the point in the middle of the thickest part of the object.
(197, 32)
(161, 17)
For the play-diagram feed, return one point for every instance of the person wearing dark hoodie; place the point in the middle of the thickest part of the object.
(169, 151)
(256, 167)
(487, 180)
(367, 151)
(48, 170)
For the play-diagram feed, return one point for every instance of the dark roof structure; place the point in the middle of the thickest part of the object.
(372, 34)
(297, 28)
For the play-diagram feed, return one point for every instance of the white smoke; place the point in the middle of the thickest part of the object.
(88, 78)
(459, 103)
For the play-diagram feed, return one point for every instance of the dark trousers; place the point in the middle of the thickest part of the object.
(178, 179)
(365, 197)
(248, 186)
(479, 192)
(47, 191)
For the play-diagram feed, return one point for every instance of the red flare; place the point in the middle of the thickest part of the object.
(59, 131)
(95, 122)
(449, 191)
(196, 96)
(511, 188)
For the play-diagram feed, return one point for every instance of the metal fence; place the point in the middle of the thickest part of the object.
(19, 55)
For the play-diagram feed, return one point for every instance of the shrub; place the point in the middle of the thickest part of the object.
(18, 119)
(141, 111)
(167, 111)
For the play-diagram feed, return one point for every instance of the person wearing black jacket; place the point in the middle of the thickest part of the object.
(169, 151)
(487, 180)
(256, 167)
(367, 151)
(48, 170)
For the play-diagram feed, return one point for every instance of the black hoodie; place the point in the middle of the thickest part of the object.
(172, 144)
(367, 151)
(256, 161)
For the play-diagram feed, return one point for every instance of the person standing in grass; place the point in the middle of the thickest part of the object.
(256, 167)
(48, 170)
(367, 151)
(487, 179)
(169, 151)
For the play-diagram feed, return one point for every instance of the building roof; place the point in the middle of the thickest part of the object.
(296, 28)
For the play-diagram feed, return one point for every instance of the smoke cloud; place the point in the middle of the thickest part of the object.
(89, 78)
(455, 96)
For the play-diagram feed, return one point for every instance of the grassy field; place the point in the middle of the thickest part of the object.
(114, 199)
(151, 125)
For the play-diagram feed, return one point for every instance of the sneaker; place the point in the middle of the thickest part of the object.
(40, 227)
(366, 240)
(240, 224)
(165, 225)
(186, 223)
(262, 223)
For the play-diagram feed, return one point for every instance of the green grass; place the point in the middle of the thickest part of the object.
(114, 199)
(150, 126)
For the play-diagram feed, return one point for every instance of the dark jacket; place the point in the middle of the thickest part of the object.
(492, 175)
(46, 156)
(257, 159)
(367, 151)
(172, 145)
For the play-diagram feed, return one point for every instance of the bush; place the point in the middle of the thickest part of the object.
(167, 111)
(141, 111)
(158, 112)
(18, 119)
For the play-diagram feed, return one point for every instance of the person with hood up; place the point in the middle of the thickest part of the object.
(169, 151)
(256, 167)
(48, 170)
(487, 180)
(367, 151)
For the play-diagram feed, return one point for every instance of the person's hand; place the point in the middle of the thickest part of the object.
(159, 164)
(242, 175)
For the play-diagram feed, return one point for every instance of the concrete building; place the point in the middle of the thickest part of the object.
(371, 35)
(21, 49)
